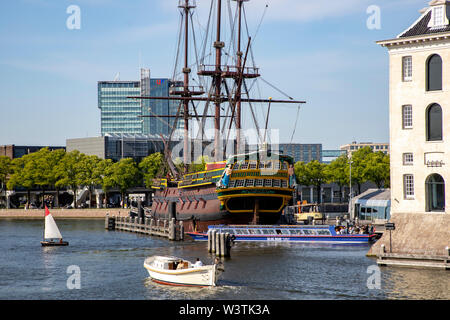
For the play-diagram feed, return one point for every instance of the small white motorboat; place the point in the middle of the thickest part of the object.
(179, 272)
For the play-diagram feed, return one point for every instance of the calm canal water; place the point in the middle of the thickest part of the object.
(111, 267)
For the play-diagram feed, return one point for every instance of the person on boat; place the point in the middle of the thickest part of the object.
(198, 263)
(226, 176)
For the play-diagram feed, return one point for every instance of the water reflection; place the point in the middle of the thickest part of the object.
(416, 283)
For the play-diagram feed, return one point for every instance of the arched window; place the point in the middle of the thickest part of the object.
(434, 122)
(434, 73)
(435, 193)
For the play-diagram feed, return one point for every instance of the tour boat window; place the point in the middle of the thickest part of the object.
(276, 165)
(323, 232)
(284, 165)
(259, 182)
(284, 183)
(284, 231)
(267, 182)
(276, 183)
(265, 231)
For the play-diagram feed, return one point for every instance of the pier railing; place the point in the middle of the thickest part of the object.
(170, 229)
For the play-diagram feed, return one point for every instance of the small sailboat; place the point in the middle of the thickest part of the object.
(51, 232)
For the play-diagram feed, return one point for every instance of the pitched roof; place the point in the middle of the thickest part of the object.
(421, 28)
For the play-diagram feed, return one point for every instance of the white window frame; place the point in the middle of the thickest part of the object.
(408, 186)
(407, 68)
(408, 159)
(438, 16)
(407, 120)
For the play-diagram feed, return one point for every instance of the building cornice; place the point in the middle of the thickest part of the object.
(415, 39)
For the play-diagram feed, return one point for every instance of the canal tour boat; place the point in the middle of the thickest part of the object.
(287, 233)
(180, 272)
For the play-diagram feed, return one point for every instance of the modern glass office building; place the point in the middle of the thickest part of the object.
(302, 152)
(123, 115)
(120, 114)
(160, 125)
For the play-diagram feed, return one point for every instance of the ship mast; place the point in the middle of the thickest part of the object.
(218, 83)
(186, 71)
(238, 72)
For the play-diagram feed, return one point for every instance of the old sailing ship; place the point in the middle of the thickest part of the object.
(248, 187)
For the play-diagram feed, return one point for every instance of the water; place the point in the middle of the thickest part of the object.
(111, 267)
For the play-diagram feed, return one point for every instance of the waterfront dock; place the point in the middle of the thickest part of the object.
(169, 229)
(414, 260)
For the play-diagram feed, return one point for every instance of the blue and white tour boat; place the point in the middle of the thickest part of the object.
(289, 233)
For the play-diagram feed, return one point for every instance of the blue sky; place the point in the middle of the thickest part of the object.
(320, 51)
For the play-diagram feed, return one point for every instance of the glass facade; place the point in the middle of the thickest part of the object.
(119, 114)
(302, 152)
(160, 125)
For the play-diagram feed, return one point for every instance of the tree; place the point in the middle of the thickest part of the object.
(359, 162)
(199, 164)
(54, 158)
(106, 173)
(377, 168)
(338, 172)
(151, 167)
(313, 173)
(22, 175)
(90, 173)
(5, 170)
(123, 175)
(68, 172)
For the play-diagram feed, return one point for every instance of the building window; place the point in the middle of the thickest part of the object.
(434, 122)
(434, 73)
(407, 68)
(438, 17)
(435, 193)
(408, 186)
(407, 117)
(408, 159)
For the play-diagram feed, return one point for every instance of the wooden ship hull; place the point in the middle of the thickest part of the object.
(256, 193)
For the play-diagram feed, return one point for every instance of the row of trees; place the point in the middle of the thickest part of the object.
(366, 165)
(59, 169)
(73, 170)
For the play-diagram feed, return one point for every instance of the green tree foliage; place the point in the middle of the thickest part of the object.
(377, 168)
(152, 167)
(68, 172)
(338, 172)
(313, 173)
(5, 170)
(23, 174)
(199, 164)
(90, 173)
(123, 175)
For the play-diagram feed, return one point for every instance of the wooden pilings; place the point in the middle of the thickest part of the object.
(172, 230)
(219, 243)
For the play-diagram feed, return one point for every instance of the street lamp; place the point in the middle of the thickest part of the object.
(351, 191)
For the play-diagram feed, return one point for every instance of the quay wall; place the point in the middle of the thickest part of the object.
(416, 234)
(62, 213)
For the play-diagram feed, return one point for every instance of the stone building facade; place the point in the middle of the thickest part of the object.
(419, 112)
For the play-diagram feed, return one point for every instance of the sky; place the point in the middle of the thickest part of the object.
(319, 51)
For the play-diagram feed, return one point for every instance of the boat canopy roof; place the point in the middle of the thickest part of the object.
(261, 155)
